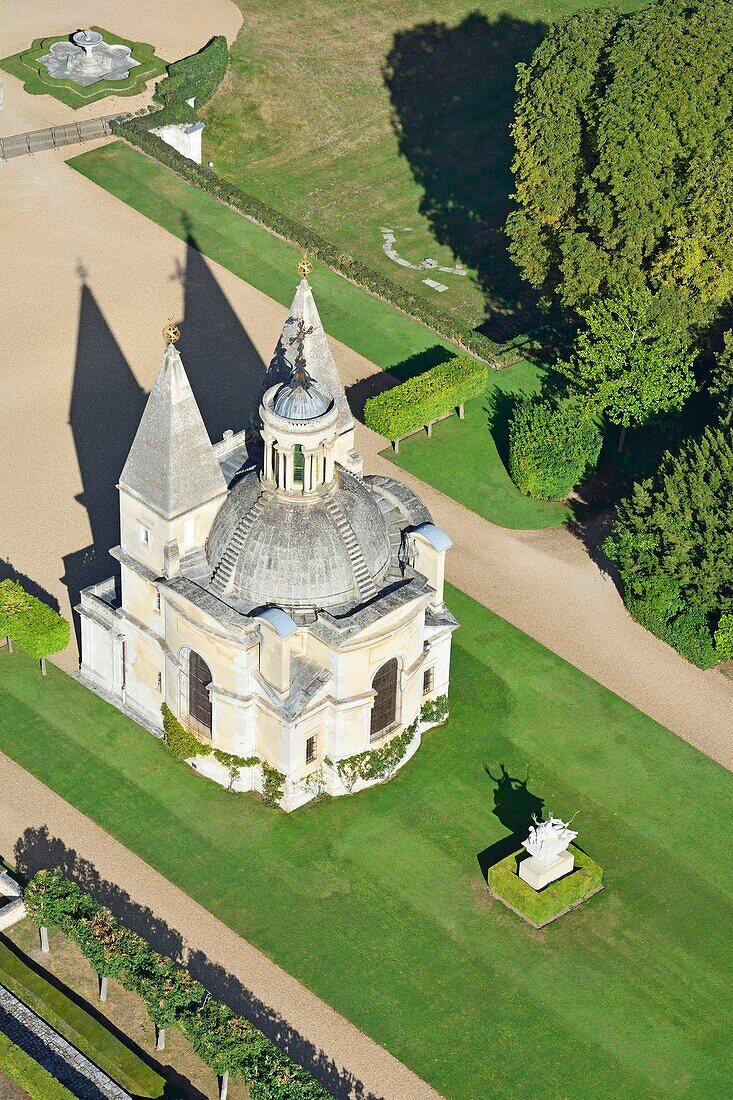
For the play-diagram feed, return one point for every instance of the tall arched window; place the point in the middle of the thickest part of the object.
(298, 464)
(199, 700)
(384, 711)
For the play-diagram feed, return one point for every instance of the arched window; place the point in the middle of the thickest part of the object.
(199, 701)
(384, 711)
(298, 464)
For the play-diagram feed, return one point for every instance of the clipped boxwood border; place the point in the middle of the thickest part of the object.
(420, 401)
(37, 81)
(542, 907)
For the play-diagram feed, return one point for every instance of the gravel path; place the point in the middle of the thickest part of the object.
(345, 1060)
(68, 1065)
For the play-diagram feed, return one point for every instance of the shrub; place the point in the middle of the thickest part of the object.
(553, 445)
(35, 1081)
(435, 710)
(272, 784)
(539, 907)
(378, 763)
(180, 741)
(136, 131)
(425, 397)
(35, 626)
(724, 638)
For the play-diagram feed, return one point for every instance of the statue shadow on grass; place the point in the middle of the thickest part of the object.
(453, 94)
(514, 805)
(37, 849)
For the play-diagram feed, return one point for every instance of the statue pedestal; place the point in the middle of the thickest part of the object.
(537, 874)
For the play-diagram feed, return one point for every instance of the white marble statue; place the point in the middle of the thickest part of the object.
(547, 840)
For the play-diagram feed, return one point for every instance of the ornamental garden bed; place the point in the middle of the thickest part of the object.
(541, 907)
(37, 81)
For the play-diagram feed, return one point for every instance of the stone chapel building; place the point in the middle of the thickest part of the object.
(280, 602)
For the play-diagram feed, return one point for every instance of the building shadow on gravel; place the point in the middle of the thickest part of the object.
(514, 805)
(453, 94)
(37, 849)
(107, 402)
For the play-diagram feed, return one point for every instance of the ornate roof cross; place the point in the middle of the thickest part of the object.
(300, 376)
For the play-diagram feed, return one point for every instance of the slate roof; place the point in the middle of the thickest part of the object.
(171, 466)
(316, 351)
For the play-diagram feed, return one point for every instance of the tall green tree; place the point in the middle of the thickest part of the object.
(632, 360)
(623, 168)
(673, 545)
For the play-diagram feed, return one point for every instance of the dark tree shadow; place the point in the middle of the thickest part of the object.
(106, 405)
(223, 366)
(38, 849)
(514, 805)
(9, 572)
(452, 92)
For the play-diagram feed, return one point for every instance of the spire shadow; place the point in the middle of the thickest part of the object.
(105, 409)
(223, 366)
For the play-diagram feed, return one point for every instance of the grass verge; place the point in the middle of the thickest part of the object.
(378, 903)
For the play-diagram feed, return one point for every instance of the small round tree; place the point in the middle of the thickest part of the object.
(35, 626)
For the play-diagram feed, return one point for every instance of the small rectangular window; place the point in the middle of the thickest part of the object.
(310, 750)
(428, 680)
(157, 599)
(160, 681)
(143, 534)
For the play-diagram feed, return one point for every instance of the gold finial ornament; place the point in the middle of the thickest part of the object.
(304, 267)
(171, 332)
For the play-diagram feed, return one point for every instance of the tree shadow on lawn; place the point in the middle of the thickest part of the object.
(175, 1084)
(37, 850)
(514, 805)
(453, 94)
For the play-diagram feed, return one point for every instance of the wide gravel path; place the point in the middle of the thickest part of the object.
(348, 1062)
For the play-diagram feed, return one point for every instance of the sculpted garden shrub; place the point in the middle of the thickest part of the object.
(553, 445)
(425, 397)
(35, 626)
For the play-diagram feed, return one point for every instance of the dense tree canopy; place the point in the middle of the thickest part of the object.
(630, 360)
(623, 169)
(673, 545)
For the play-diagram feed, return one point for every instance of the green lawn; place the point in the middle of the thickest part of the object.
(390, 114)
(372, 327)
(77, 1025)
(464, 458)
(377, 902)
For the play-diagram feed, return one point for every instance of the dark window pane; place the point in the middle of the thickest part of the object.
(199, 702)
(427, 681)
(384, 710)
(310, 750)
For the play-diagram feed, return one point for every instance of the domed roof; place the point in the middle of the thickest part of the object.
(299, 402)
(328, 551)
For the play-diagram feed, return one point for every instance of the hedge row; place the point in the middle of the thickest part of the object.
(32, 1078)
(542, 906)
(197, 76)
(35, 626)
(137, 132)
(422, 399)
(227, 1043)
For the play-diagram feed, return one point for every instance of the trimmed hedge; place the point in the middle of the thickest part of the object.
(226, 1042)
(28, 1074)
(422, 399)
(35, 626)
(136, 131)
(553, 445)
(539, 907)
(197, 76)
